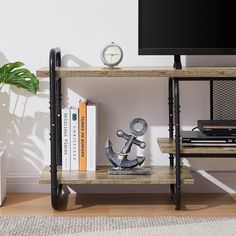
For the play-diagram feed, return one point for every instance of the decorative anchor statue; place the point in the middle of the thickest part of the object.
(120, 160)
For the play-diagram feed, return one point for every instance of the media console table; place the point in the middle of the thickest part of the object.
(175, 175)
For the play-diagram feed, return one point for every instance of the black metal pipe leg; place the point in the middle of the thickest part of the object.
(58, 117)
(56, 196)
(54, 60)
(177, 146)
(171, 129)
(171, 104)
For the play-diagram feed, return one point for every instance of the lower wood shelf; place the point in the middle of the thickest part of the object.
(167, 145)
(160, 175)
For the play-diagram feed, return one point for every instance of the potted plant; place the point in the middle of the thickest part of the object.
(14, 74)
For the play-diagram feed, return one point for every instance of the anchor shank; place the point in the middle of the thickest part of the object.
(126, 149)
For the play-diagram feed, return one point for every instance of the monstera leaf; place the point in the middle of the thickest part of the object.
(10, 73)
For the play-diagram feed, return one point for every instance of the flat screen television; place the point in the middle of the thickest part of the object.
(187, 27)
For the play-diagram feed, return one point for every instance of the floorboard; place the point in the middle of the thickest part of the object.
(120, 205)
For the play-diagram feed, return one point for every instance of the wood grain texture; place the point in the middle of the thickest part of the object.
(160, 175)
(120, 205)
(140, 72)
(168, 146)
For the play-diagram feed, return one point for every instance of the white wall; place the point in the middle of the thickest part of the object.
(81, 28)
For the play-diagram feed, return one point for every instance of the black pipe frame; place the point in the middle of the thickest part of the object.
(177, 144)
(55, 125)
(178, 155)
(171, 132)
(55, 130)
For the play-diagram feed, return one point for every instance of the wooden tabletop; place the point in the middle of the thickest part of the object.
(199, 72)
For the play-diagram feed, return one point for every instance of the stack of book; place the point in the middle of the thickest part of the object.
(79, 137)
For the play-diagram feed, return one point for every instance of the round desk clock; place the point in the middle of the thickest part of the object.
(111, 55)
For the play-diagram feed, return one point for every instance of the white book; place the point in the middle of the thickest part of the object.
(92, 134)
(65, 119)
(74, 134)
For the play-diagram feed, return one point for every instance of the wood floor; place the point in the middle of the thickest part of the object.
(120, 205)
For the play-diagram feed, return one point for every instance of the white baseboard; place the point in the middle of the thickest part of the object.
(25, 183)
(205, 182)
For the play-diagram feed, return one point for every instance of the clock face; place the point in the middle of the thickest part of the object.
(112, 55)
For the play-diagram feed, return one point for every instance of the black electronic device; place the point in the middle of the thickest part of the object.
(217, 127)
(186, 27)
(197, 138)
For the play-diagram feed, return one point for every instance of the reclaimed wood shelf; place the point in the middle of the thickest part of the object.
(163, 72)
(167, 145)
(160, 175)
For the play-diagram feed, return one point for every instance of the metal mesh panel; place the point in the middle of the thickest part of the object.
(224, 99)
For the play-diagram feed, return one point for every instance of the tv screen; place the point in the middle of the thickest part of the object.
(187, 27)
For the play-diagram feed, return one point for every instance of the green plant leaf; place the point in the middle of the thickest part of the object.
(10, 73)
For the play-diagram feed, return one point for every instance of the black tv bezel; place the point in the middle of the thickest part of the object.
(177, 51)
(186, 51)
